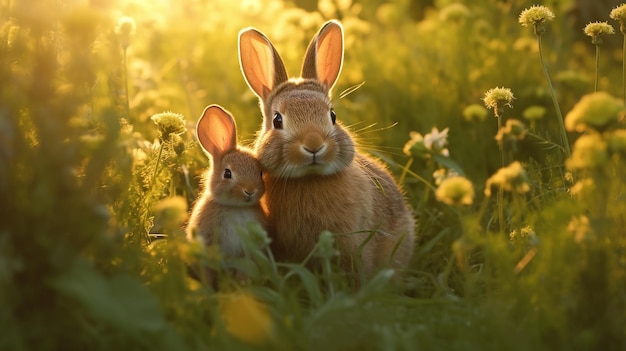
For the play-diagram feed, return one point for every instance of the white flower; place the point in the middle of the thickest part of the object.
(436, 141)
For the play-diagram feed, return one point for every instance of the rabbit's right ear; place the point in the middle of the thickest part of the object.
(260, 64)
(216, 131)
(324, 57)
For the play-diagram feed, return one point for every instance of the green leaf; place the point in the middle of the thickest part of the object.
(121, 301)
(449, 164)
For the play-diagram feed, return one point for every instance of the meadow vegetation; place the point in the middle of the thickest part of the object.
(506, 131)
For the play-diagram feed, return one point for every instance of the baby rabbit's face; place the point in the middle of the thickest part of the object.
(238, 181)
(303, 137)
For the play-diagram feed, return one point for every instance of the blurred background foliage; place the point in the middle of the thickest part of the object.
(89, 182)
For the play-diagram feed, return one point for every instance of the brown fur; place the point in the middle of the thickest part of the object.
(315, 178)
(226, 205)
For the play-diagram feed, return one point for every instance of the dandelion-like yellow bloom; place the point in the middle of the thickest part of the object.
(475, 112)
(455, 191)
(583, 186)
(246, 318)
(169, 123)
(171, 213)
(497, 98)
(596, 110)
(590, 151)
(536, 16)
(525, 232)
(415, 147)
(512, 178)
(533, 113)
(125, 29)
(619, 14)
(597, 29)
(442, 173)
(616, 141)
(512, 131)
(580, 228)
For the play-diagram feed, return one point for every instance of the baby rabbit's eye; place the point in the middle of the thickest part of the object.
(228, 174)
(333, 116)
(278, 121)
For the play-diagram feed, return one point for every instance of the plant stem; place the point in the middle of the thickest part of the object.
(500, 199)
(624, 68)
(624, 75)
(156, 167)
(125, 78)
(564, 141)
(595, 85)
(500, 144)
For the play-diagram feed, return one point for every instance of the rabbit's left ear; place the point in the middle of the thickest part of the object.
(324, 57)
(216, 131)
(260, 64)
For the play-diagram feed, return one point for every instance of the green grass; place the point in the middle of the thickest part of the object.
(88, 182)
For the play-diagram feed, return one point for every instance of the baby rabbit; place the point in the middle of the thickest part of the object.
(315, 178)
(233, 187)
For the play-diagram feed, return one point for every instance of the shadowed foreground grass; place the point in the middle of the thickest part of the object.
(519, 246)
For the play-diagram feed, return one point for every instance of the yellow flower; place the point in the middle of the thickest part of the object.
(580, 228)
(512, 131)
(512, 178)
(245, 318)
(595, 110)
(169, 123)
(170, 214)
(617, 141)
(497, 98)
(442, 173)
(475, 112)
(125, 29)
(619, 14)
(534, 113)
(415, 147)
(590, 151)
(536, 16)
(597, 29)
(455, 191)
(583, 186)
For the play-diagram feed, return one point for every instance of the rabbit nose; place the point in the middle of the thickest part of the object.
(313, 144)
(248, 194)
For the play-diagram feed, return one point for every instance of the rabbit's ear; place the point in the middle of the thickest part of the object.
(260, 63)
(324, 56)
(216, 131)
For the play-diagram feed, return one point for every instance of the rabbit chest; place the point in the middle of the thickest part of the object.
(231, 222)
(300, 209)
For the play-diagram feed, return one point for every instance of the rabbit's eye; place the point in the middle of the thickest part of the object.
(278, 121)
(333, 116)
(228, 174)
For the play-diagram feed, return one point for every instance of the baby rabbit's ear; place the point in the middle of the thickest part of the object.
(324, 57)
(216, 131)
(261, 65)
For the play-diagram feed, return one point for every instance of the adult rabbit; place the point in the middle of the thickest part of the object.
(315, 177)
